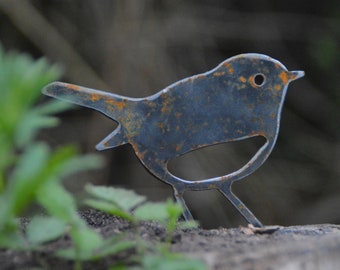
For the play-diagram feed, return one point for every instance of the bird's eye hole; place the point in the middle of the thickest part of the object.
(259, 79)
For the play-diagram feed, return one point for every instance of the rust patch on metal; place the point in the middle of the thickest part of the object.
(277, 87)
(167, 103)
(73, 87)
(120, 105)
(95, 97)
(178, 147)
(227, 64)
(242, 79)
(283, 76)
(200, 76)
(252, 82)
(229, 67)
(218, 74)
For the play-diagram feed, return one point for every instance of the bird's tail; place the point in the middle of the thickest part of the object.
(111, 105)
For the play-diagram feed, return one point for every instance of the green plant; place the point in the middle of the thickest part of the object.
(30, 172)
(134, 208)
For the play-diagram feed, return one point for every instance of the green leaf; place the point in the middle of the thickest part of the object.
(21, 80)
(85, 239)
(26, 177)
(52, 107)
(64, 162)
(28, 127)
(59, 160)
(58, 202)
(44, 229)
(124, 199)
(172, 262)
(113, 247)
(7, 155)
(12, 240)
(174, 209)
(152, 211)
(109, 208)
(31, 163)
(95, 254)
(37, 118)
(81, 163)
(36, 167)
(10, 234)
(191, 224)
(122, 267)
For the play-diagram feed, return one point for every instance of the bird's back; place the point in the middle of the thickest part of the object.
(198, 111)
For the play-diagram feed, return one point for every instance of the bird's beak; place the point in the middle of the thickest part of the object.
(296, 74)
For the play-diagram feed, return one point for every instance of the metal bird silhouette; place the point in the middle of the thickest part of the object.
(241, 98)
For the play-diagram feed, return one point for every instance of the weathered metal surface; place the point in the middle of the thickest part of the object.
(240, 98)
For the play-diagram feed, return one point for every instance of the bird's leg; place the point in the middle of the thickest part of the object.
(246, 213)
(179, 199)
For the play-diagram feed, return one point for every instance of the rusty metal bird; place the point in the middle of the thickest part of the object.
(240, 98)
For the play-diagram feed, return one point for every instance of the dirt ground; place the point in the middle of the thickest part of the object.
(274, 247)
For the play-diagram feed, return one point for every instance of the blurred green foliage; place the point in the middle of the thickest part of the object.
(21, 79)
(31, 173)
(134, 208)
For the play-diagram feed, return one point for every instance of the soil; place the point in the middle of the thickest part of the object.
(272, 247)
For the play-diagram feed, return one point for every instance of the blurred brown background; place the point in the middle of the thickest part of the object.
(136, 48)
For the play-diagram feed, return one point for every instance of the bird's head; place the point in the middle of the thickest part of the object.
(258, 84)
(261, 72)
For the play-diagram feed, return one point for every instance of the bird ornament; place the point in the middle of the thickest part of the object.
(240, 98)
